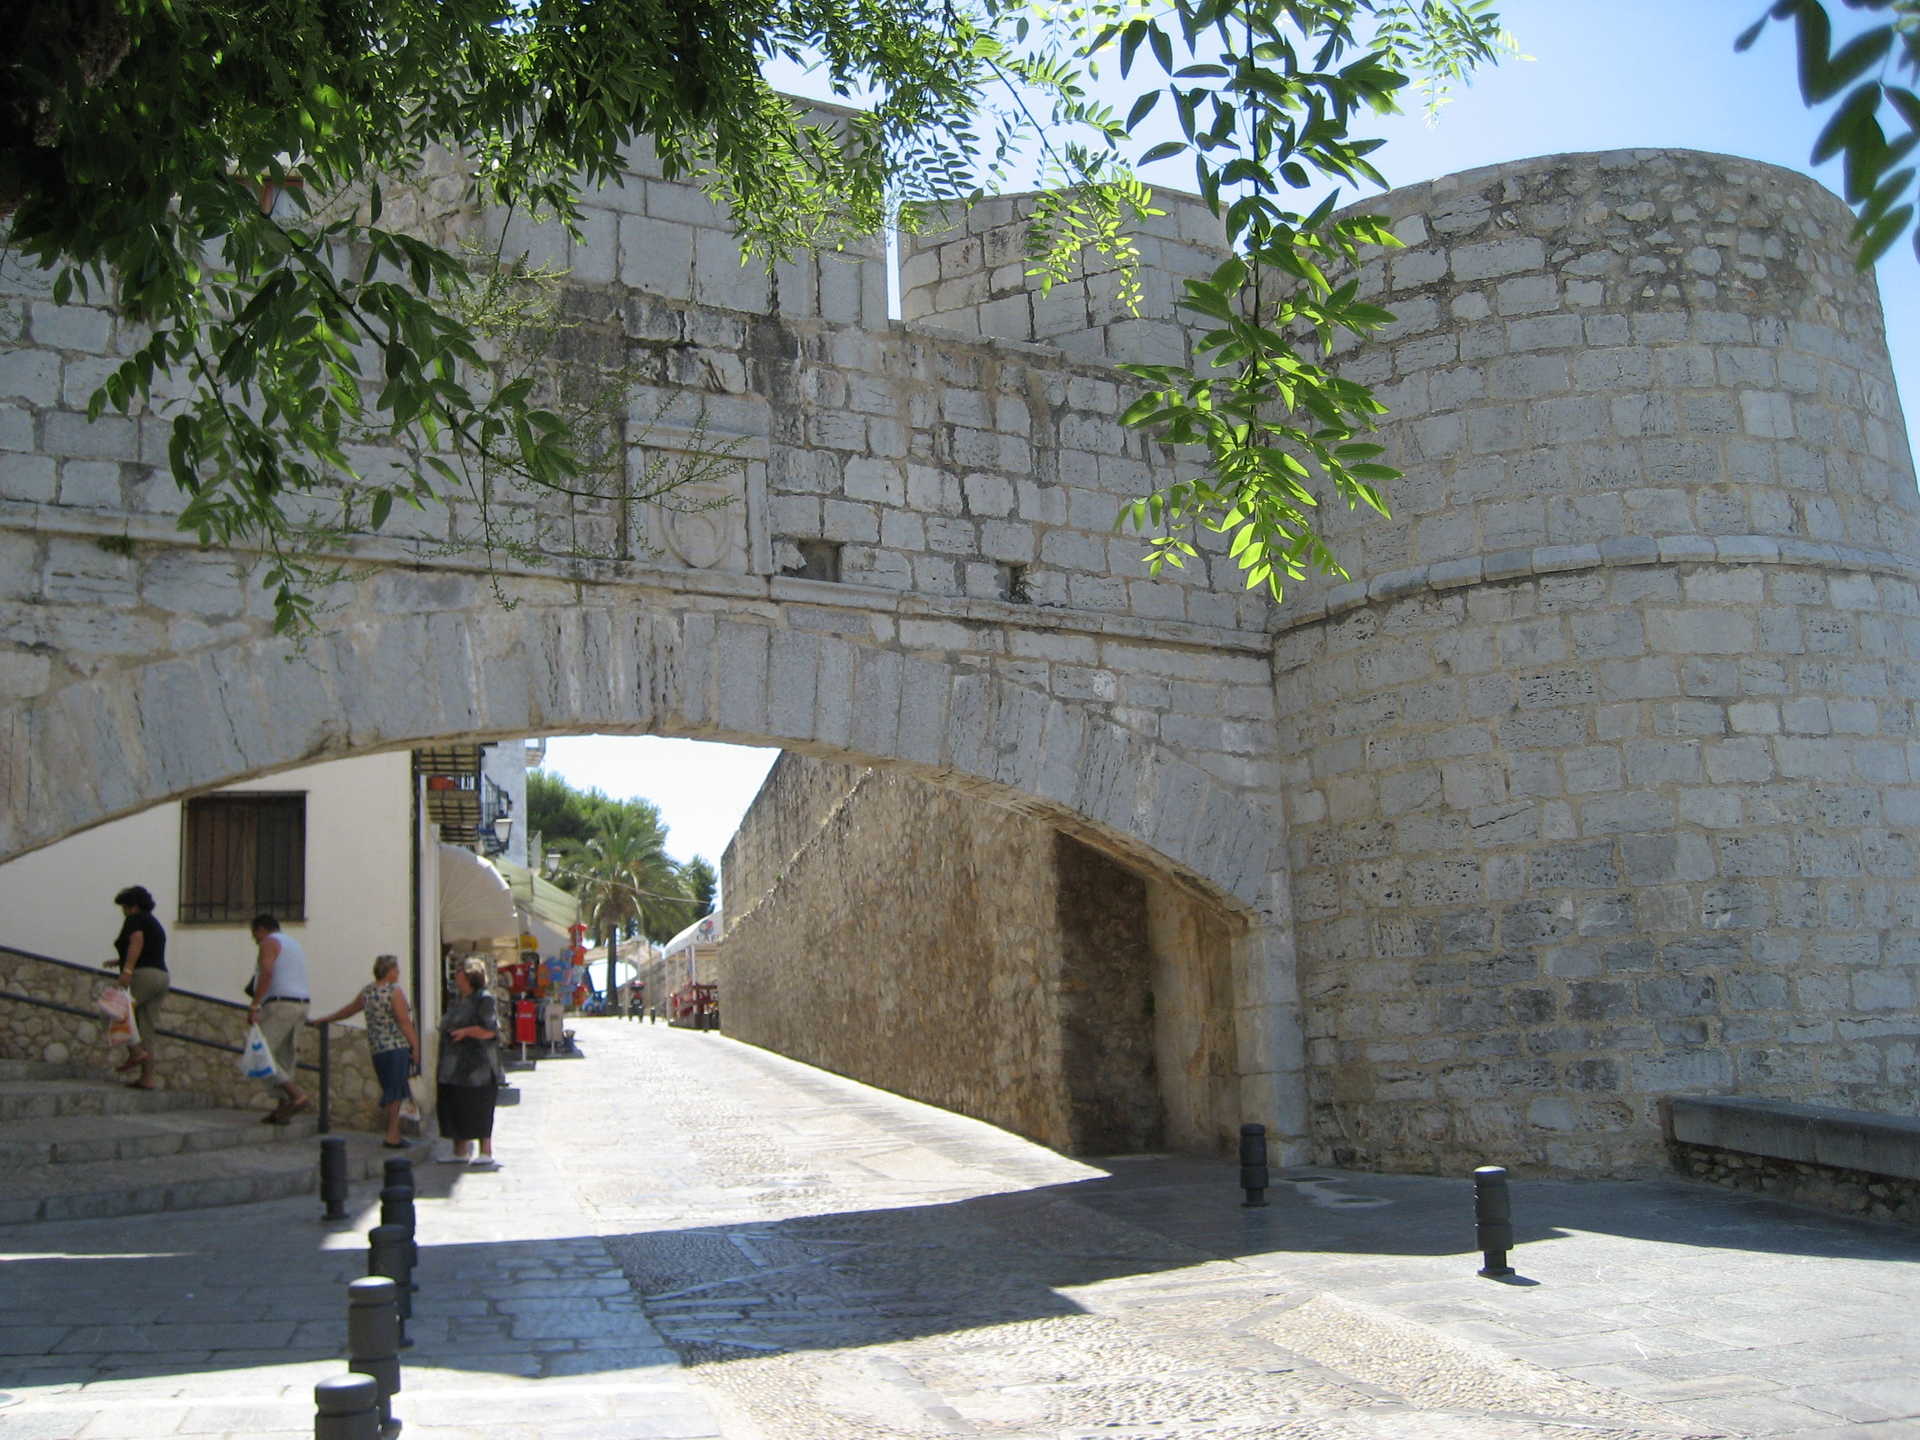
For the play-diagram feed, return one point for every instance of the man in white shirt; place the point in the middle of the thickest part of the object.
(280, 998)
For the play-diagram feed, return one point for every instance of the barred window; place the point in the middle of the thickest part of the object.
(244, 853)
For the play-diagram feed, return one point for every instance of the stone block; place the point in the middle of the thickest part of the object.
(1492, 259)
(34, 479)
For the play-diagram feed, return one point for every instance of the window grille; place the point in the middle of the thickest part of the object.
(242, 854)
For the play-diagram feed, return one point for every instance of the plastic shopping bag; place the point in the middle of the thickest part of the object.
(117, 1005)
(256, 1059)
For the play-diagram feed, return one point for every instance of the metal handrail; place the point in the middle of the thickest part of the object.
(324, 1069)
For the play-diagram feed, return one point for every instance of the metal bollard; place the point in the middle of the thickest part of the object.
(387, 1255)
(1493, 1220)
(333, 1176)
(373, 1336)
(396, 1208)
(346, 1407)
(397, 1171)
(1253, 1165)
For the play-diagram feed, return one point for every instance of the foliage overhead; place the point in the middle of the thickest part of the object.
(1875, 121)
(300, 329)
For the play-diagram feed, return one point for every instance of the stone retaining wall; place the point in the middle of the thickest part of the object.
(1852, 1192)
(918, 939)
(30, 1032)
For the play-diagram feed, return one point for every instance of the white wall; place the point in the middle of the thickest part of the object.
(59, 901)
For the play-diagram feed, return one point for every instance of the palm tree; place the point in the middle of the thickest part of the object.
(627, 879)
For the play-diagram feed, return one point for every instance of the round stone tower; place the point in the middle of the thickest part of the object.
(1601, 772)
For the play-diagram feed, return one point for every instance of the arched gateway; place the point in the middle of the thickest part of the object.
(1547, 781)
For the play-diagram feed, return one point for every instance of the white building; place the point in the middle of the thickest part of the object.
(357, 858)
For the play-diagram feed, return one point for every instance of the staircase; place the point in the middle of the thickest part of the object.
(75, 1145)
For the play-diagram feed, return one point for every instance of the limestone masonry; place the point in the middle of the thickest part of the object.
(1598, 781)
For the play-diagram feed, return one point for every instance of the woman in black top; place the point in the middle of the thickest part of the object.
(142, 947)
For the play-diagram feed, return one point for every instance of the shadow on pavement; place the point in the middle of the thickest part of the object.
(199, 1296)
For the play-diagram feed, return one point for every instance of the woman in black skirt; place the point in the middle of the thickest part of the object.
(468, 1080)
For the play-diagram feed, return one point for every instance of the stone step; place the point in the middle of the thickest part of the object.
(79, 1139)
(12, 1069)
(187, 1181)
(52, 1099)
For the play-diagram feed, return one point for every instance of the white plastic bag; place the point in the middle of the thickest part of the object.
(117, 1005)
(256, 1059)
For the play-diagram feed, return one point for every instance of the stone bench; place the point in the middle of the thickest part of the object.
(1809, 1134)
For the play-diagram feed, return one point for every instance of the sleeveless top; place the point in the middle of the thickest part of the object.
(383, 1031)
(289, 971)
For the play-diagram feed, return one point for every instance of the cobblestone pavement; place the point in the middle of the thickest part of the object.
(695, 1239)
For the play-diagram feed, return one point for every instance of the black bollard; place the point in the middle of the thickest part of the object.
(387, 1255)
(346, 1407)
(1493, 1220)
(396, 1208)
(1253, 1165)
(397, 1171)
(333, 1176)
(373, 1337)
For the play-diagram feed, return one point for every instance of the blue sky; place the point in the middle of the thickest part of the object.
(1606, 75)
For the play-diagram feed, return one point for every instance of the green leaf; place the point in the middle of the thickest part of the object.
(1852, 61)
(1840, 130)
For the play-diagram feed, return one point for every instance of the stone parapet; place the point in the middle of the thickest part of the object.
(976, 278)
(1619, 346)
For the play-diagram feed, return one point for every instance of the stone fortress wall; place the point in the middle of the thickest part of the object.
(1597, 779)
(1607, 787)
(1600, 771)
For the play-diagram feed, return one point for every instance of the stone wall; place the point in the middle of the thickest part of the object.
(917, 939)
(1601, 770)
(31, 1032)
(974, 278)
(1851, 1192)
(1595, 783)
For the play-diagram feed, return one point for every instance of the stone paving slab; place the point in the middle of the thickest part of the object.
(693, 1240)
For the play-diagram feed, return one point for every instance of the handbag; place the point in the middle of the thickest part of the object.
(256, 1058)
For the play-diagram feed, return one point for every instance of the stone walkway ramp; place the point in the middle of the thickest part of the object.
(694, 1240)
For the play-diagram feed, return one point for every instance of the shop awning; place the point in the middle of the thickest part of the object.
(707, 930)
(539, 897)
(475, 903)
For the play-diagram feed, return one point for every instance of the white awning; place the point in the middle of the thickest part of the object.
(707, 930)
(475, 903)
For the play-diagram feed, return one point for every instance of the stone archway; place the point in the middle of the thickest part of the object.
(409, 657)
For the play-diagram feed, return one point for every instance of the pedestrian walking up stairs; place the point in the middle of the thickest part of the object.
(76, 1145)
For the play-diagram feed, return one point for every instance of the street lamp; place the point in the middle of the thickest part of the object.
(502, 827)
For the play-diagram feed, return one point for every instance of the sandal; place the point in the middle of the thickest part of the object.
(141, 1085)
(395, 1145)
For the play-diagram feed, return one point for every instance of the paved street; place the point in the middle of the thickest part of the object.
(695, 1239)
